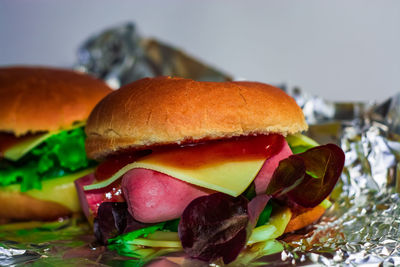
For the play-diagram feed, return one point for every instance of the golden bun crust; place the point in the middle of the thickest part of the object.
(36, 99)
(18, 206)
(165, 110)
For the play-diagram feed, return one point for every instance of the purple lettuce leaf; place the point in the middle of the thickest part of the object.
(214, 226)
(288, 175)
(308, 178)
(114, 219)
(218, 225)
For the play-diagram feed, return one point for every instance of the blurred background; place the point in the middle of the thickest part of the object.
(341, 50)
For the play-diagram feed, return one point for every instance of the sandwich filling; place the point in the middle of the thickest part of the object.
(30, 164)
(248, 183)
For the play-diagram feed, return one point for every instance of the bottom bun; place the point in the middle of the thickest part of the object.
(304, 219)
(16, 206)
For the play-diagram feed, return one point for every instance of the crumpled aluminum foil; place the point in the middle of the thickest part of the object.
(362, 228)
(119, 56)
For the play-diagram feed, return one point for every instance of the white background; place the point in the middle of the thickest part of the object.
(341, 50)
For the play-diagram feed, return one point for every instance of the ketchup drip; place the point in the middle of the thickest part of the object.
(200, 154)
(107, 168)
(214, 152)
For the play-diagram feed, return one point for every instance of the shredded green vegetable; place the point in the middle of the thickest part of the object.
(123, 243)
(125, 238)
(265, 215)
(171, 226)
(57, 156)
(300, 143)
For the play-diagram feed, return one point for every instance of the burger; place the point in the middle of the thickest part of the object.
(211, 168)
(42, 115)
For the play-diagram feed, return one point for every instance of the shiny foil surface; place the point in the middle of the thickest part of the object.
(362, 228)
(120, 55)
(363, 225)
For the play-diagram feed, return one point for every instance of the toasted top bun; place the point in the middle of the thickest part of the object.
(165, 110)
(36, 99)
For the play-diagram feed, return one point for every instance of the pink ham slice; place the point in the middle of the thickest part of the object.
(267, 170)
(79, 184)
(91, 200)
(156, 197)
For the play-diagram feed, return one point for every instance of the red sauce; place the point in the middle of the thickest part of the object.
(107, 168)
(213, 152)
(7, 140)
(200, 154)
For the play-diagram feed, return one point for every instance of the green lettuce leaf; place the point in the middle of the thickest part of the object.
(57, 156)
(265, 215)
(122, 243)
(300, 143)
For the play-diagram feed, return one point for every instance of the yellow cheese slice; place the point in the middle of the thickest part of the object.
(21, 148)
(60, 190)
(18, 150)
(229, 177)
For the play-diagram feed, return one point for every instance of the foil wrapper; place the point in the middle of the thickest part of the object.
(120, 56)
(362, 228)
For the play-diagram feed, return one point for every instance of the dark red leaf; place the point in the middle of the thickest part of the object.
(214, 226)
(114, 219)
(308, 178)
(290, 172)
(231, 248)
(324, 162)
(105, 225)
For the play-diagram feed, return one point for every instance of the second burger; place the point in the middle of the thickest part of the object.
(42, 114)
